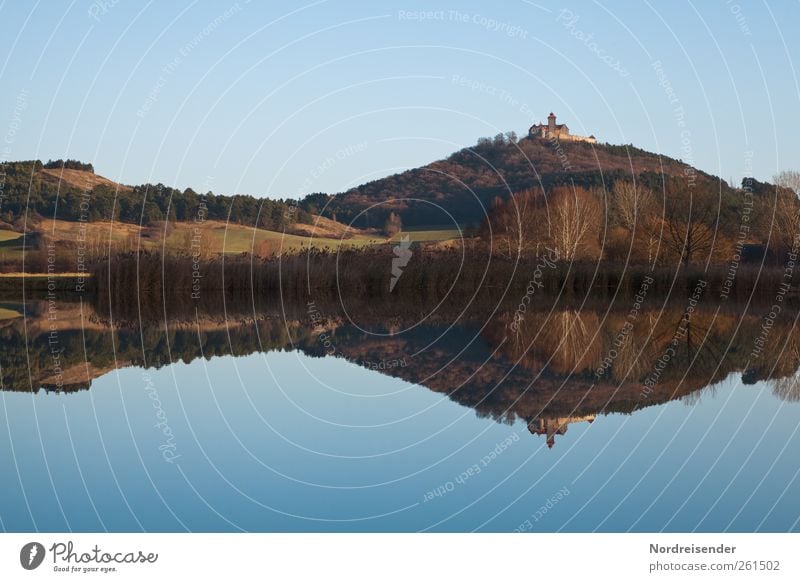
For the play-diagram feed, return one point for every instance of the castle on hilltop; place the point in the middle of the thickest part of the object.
(556, 131)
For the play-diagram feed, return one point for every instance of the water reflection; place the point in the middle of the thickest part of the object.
(550, 368)
(394, 416)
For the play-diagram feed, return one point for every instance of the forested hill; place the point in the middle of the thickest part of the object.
(462, 187)
(70, 190)
(457, 190)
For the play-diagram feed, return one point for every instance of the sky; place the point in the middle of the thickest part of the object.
(281, 99)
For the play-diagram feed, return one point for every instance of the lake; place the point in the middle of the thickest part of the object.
(313, 417)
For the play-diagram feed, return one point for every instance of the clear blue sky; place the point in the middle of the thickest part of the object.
(287, 98)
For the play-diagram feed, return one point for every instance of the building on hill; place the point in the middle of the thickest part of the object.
(553, 130)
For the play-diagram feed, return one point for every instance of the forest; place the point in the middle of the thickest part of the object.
(655, 221)
(26, 189)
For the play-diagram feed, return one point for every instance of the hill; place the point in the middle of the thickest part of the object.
(65, 203)
(461, 188)
(474, 191)
(72, 191)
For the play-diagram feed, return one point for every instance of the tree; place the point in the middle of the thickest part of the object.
(689, 221)
(516, 223)
(633, 204)
(788, 179)
(574, 215)
(786, 222)
(634, 212)
(393, 224)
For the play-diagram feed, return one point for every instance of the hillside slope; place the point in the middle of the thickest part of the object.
(82, 179)
(461, 188)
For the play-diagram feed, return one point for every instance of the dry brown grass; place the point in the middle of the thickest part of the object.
(326, 228)
(79, 179)
(215, 237)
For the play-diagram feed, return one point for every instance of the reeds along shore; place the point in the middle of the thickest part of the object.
(148, 285)
(368, 272)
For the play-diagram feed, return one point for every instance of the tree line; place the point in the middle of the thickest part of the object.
(25, 190)
(655, 220)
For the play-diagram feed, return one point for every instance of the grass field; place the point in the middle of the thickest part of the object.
(8, 235)
(10, 249)
(434, 235)
(8, 313)
(212, 238)
(217, 238)
(209, 238)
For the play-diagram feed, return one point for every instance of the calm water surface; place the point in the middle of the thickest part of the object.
(316, 424)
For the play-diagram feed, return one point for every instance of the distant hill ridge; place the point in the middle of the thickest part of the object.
(461, 187)
(457, 190)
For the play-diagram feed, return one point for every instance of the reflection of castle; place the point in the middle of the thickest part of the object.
(557, 131)
(553, 426)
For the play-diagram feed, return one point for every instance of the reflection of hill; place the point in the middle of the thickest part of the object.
(55, 358)
(552, 369)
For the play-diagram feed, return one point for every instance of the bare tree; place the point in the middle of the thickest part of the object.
(689, 224)
(788, 179)
(786, 220)
(516, 223)
(393, 224)
(637, 215)
(786, 223)
(574, 214)
(633, 204)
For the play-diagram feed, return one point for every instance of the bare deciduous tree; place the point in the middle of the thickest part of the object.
(788, 179)
(393, 224)
(574, 215)
(516, 223)
(786, 223)
(633, 204)
(689, 224)
(635, 210)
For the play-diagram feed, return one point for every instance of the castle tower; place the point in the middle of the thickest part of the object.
(551, 124)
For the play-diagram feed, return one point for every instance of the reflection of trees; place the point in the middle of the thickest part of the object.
(574, 337)
(555, 356)
(698, 346)
(152, 346)
(566, 339)
(787, 389)
(628, 364)
(702, 349)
